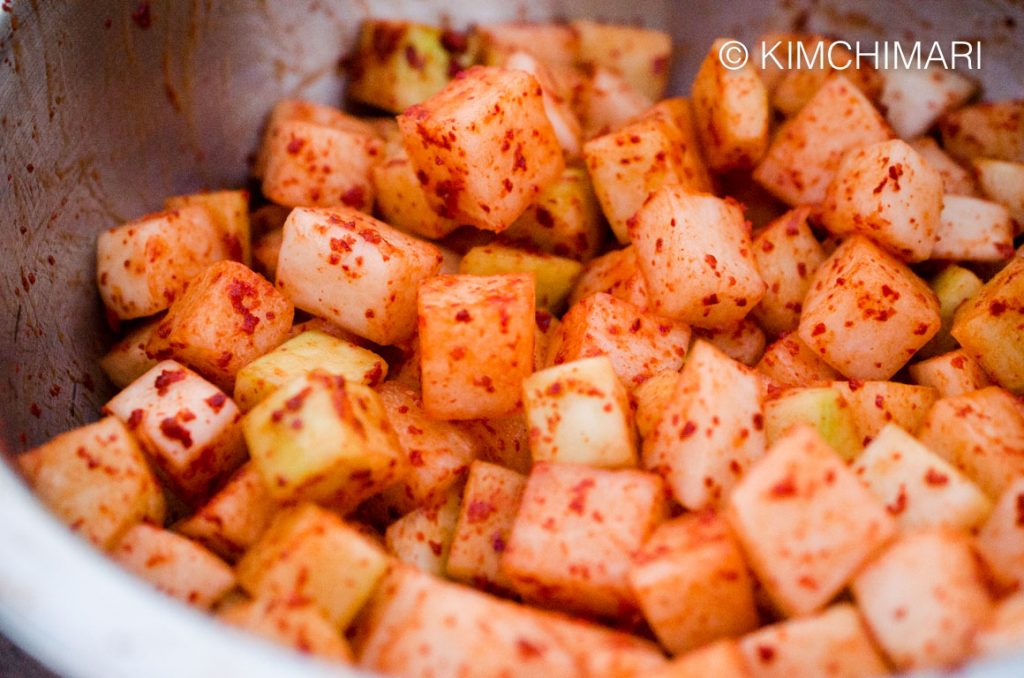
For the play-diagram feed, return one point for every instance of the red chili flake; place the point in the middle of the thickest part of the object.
(166, 378)
(996, 308)
(767, 246)
(385, 39)
(528, 649)
(35, 410)
(689, 428)
(1020, 510)
(374, 374)
(766, 653)
(175, 431)
(479, 510)
(635, 327)
(711, 261)
(710, 300)
(141, 16)
(416, 457)
(238, 290)
(818, 329)
(454, 42)
(543, 320)
(135, 418)
(369, 235)
(933, 477)
(758, 422)
(544, 217)
(520, 163)
(899, 505)
(435, 546)
(295, 145)
(295, 402)
(463, 316)
(498, 542)
(354, 197)
(579, 492)
(341, 245)
(890, 292)
(784, 488)
(414, 58)
(921, 329)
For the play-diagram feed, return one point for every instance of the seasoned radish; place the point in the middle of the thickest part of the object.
(866, 313)
(96, 480)
(694, 252)
(731, 110)
(187, 426)
(889, 193)
(355, 271)
(228, 317)
(144, 265)
(483, 146)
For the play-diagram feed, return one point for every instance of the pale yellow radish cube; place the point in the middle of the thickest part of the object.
(314, 165)
(950, 374)
(127, 360)
(300, 355)
(422, 537)
(918, 487)
(188, 427)
(401, 200)
(356, 271)
(990, 326)
(490, 501)
(651, 398)
(1003, 633)
(732, 112)
(790, 362)
(144, 265)
(805, 153)
(923, 599)
(439, 453)
(722, 659)
(578, 412)
(310, 553)
(565, 220)
(692, 583)
(866, 313)
(483, 147)
(700, 447)
(605, 101)
(553, 276)
(1000, 540)
(629, 164)
(228, 317)
(990, 129)
(503, 441)
(787, 254)
(914, 98)
(833, 642)
(575, 534)
(396, 64)
(616, 273)
(639, 344)
(640, 55)
(743, 341)
(235, 517)
(823, 408)
(972, 229)
(299, 627)
(888, 192)
(956, 179)
(805, 522)
(320, 438)
(230, 212)
(96, 480)
(953, 285)
(876, 404)
(174, 565)
(318, 115)
(476, 337)
(981, 433)
(694, 251)
(1001, 181)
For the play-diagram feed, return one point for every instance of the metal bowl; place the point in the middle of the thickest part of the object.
(107, 107)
